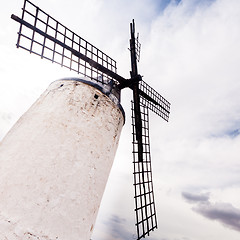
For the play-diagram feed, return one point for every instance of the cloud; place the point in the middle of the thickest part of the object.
(224, 213)
(198, 49)
(234, 133)
(117, 228)
(196, 197)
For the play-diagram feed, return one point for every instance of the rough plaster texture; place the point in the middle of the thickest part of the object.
(55, 162)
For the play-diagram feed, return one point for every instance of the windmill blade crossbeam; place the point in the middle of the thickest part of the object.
(44, 36)
(154, 101)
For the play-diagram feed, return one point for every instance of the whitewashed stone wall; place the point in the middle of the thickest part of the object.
(55, 162)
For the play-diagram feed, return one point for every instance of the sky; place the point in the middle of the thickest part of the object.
(190, 54)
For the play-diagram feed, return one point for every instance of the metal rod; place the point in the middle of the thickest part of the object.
(35, 23)
(136, 96)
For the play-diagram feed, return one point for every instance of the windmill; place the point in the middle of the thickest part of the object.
(43, 35)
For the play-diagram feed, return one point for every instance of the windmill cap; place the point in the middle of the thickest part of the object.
(109, 89)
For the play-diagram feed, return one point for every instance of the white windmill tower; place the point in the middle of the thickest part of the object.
(55, 161)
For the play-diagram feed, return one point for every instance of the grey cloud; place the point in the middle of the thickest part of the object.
(203, 197)
(118, 228)
(234, 133)
(117, 220)
(224, 213)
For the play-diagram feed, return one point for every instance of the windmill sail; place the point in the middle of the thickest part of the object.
(144, 98)
(154, 101)
(145, 211)
(46, 37)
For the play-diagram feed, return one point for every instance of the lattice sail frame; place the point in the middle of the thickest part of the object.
(138, 48)
(42, 46)
(145, 211)
(161, 106)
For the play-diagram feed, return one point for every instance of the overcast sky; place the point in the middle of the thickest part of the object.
(191, 55)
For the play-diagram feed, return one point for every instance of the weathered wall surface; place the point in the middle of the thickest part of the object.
(54, 164)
